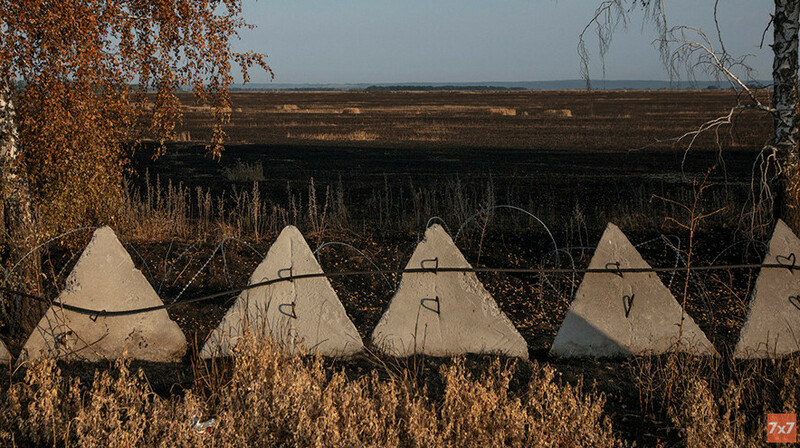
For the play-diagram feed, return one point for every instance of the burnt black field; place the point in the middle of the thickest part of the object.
(372, 151)
(561, 148)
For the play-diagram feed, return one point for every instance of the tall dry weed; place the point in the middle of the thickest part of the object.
(40, 408)
(483, 412)
(266, 397)
(717, 402)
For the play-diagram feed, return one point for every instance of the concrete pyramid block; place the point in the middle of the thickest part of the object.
(104, 278)
(303, 311)
(444, 313)
(772, 327)
(619, 315)
(5, 356)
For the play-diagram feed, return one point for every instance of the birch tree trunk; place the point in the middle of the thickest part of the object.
(17, 219)
(785, 101)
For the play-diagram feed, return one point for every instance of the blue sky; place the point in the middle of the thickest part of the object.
(395, 41)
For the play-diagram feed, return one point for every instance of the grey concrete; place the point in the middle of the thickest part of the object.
(317, 320)
(5, 356)
(596, 324)
(772, 327)
(468, 319)
(104, 278)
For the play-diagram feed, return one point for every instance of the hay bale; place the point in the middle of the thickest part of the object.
(351, 111)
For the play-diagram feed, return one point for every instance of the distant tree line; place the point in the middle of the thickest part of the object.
(428, 88)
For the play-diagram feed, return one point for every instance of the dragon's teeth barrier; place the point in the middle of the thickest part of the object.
(304, 311)
(5, 356)
(104, 278)
(772, 328)
(440, 307)
(626, 313)
(444, 313)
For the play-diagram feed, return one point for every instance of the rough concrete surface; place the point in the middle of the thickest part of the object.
(104, 278)
(5, 356)
(464, 319)
(303, 312)
(596, 324)
(772, 328)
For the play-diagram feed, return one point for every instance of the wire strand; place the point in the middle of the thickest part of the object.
(435, 270)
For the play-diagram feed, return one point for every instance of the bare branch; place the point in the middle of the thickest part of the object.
(766, 28)
(719, 32)
(603, 10)
(608, 17)
(697, 52)
(689, 50)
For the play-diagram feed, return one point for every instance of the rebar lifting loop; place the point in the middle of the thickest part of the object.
(795, 301)
(424, 303)
(784, 261)
(293, 315)
(615, 268)
(61, 338)
(435, 262)
(627, 304)
(290, 277)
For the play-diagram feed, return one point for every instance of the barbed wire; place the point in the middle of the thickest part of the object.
(39, 246)
(610, 268)
(515, 208)
(172, 265)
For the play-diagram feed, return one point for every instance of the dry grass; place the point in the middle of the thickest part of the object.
(418, 109)
(244, 172)
(355, 136)
(159, 211)
(266, 398)
(505, 111)
(269, 398)
(557, 113)
(422, 132)
(189, 108)
(184, 136)
(207, 109)
(717, 402)
(656, 117)
(295, 109)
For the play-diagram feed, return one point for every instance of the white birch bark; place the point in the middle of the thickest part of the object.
(16, 212)
(785, 102)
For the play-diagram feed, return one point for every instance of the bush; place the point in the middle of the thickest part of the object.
(244, 172)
